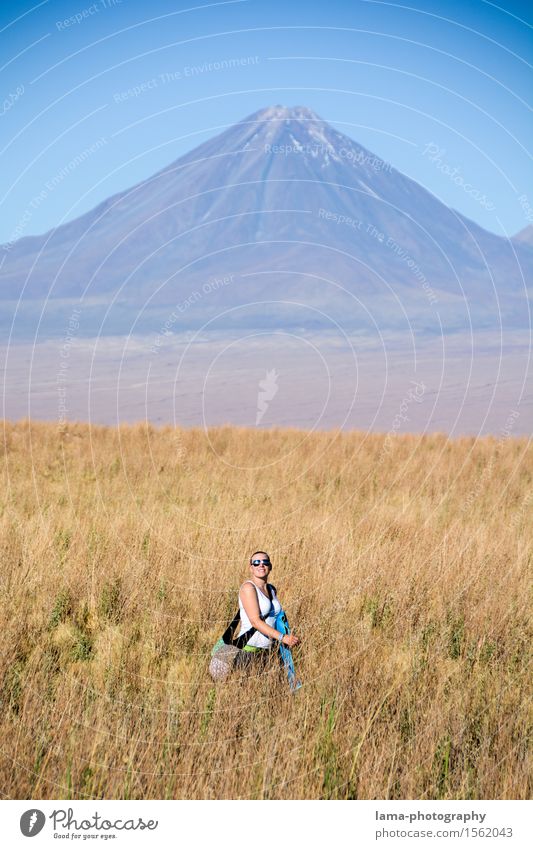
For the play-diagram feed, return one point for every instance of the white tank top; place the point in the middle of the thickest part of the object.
(269, 611)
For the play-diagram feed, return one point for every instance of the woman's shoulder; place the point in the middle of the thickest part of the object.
(273, 589)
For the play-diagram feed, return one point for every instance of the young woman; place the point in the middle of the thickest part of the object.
(259, 606)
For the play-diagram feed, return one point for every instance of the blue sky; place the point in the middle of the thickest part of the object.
(395, 77)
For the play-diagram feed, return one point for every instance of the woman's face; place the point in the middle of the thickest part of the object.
(263, 569)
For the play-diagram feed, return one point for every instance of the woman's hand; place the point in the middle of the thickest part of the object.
(290, 640)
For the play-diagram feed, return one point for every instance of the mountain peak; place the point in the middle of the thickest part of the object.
(285, 113)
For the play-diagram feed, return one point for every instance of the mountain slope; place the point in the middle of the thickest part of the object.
(285, 208)
(525, 235)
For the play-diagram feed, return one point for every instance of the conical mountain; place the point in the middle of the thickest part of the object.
(279, 208)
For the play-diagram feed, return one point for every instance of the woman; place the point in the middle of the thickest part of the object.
(258, 607)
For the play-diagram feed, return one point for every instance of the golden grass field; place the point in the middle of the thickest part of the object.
(404, 565)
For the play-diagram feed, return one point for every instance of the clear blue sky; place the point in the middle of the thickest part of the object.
(394, 77)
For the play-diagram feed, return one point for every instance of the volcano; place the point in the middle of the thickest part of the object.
(281, 221)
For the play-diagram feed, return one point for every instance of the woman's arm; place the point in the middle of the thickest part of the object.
(251, 606)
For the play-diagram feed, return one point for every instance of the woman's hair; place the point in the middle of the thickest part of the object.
(261, 551)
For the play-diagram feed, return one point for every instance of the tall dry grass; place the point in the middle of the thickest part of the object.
(404, 565)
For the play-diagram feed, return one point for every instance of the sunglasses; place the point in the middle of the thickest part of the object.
(259, 562)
